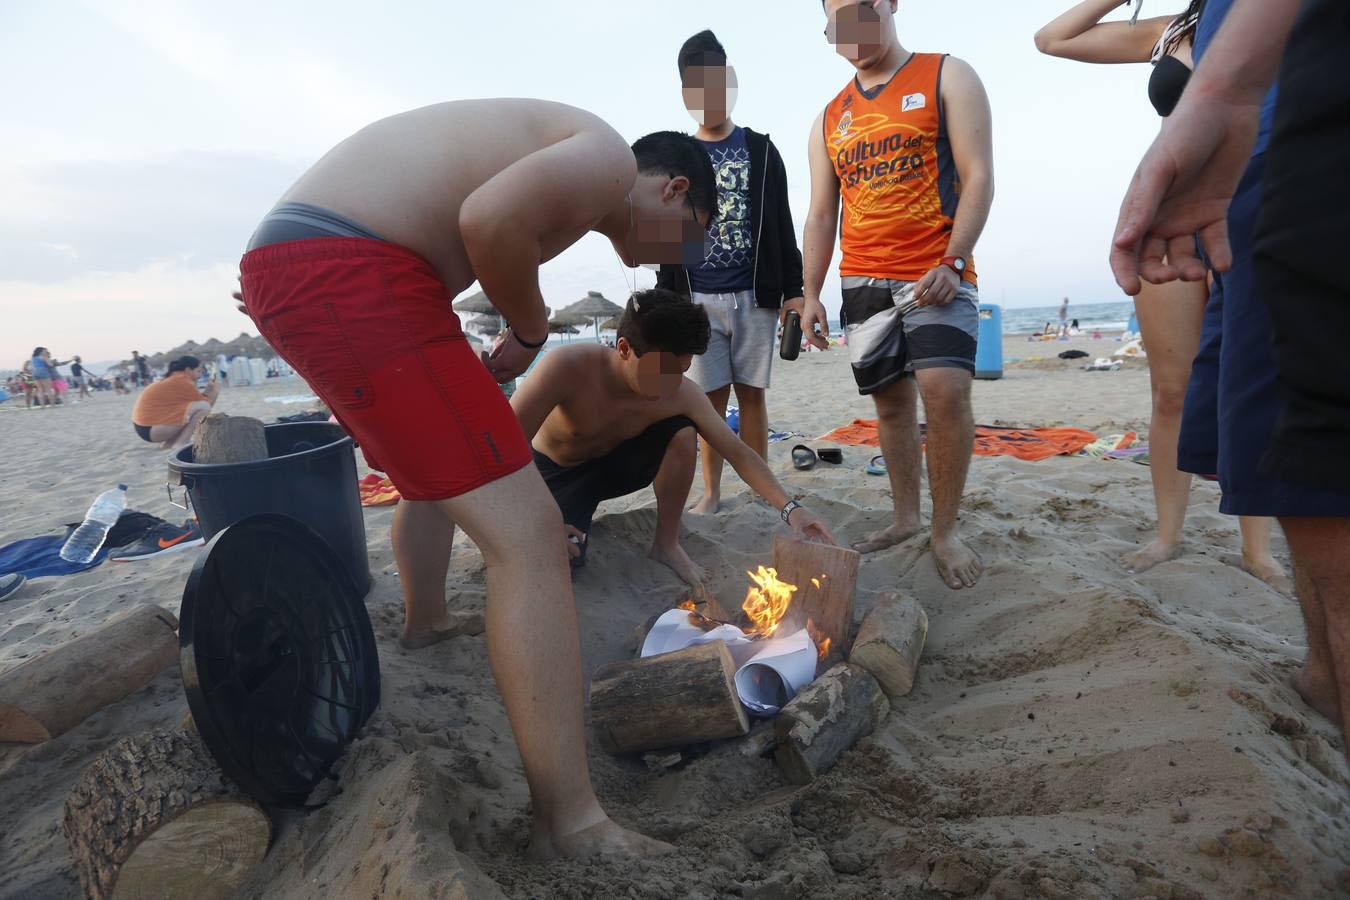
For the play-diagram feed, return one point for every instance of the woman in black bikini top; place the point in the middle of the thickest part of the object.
(1170, 315)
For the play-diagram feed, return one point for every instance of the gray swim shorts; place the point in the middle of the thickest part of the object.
(744, 338)
(890, 335)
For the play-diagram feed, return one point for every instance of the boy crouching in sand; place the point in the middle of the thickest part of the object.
(606, 422)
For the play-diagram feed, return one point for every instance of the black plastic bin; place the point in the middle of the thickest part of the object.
(309, 475)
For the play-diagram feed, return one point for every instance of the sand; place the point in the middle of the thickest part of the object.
(1075, 731)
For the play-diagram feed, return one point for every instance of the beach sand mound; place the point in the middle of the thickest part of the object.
(1075, 731)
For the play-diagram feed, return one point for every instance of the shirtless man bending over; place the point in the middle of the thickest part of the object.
(607, 422)
(350, 278)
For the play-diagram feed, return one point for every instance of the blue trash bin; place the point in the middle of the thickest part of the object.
(989, 351)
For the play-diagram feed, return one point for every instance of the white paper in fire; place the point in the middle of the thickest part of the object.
(769, 671)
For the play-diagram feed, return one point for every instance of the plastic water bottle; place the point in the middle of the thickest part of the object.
(83, 545)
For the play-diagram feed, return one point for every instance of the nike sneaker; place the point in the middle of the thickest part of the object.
(164, 539)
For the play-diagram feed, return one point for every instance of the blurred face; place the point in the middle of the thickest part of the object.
(656, 375)
(710, 94)
(663, 227)
(858, 28)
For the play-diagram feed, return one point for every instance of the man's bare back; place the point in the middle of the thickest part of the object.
(598, 410)
(407, 177)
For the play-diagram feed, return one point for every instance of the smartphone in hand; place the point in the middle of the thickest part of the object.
(790, 345)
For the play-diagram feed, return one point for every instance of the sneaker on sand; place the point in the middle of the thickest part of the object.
(10, 584)
(164, 539)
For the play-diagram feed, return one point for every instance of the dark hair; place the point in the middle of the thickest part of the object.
(703, 49)
(183, 363)
(673, 154)
(1186, 23)
(664, 321)
(37, 351)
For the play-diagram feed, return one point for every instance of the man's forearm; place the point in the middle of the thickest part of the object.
(817, 251)
(507, 265)
(972, 212)
(755, 472)
(1244, 59)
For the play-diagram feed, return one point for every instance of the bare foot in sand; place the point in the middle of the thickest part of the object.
(607, 839)
(690, 572)
(886, 537)
(1270, 571)
(956, 563)
(1320, 693)
(710, 504)
(452, 624)
(1157, 552)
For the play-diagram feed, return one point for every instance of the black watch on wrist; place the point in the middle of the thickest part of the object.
(786, 511)
(526, 344)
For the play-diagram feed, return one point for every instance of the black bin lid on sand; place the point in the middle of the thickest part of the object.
(278, 656)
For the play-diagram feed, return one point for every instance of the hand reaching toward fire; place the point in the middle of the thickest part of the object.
(809, 525)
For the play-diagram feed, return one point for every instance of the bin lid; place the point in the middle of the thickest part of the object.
(278, 656)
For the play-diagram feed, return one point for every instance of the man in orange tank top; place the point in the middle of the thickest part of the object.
(907, 147)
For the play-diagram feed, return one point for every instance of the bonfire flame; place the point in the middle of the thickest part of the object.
(767, 601)
(821, 641)
(687, 604)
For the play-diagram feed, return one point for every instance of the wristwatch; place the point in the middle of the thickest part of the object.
(788, 507)
(956, 263)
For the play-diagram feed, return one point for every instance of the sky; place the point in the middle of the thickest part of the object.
(142, 141)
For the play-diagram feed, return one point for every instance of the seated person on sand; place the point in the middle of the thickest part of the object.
(167, 411)
(605, 423)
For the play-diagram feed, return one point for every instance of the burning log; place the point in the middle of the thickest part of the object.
(890, 642)
(154, 816)
(825, 577)
(826, 718)
(669, 700)
(50, 694)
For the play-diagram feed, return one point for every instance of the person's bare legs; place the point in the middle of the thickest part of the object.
(1257, 560)
(898, 428)
(712, 460)
(535, 653)
(1321, 551)
(754, 415)
(422, 534)
(672, 485)
(1170, 320)
(174, 437)
(951, 437)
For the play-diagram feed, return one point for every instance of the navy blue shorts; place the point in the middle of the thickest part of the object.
(1233, 400)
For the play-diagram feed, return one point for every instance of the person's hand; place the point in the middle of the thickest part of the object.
(813, 314)
(808, 525)
(938, 287)
(1184, 186)
(575, 539)
(508, 357)
(795, 304)
(239, 297)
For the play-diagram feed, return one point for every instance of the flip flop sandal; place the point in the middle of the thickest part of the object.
(803, 457)
(831, 455)
(877, 466)
(578, 562)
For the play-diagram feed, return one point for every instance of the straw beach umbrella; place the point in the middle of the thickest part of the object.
(489, 325)
(594, 307)
(566, 323)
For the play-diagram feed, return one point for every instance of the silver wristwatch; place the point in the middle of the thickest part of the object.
(788, 507)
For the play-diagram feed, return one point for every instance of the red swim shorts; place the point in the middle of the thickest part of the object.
(368, 325)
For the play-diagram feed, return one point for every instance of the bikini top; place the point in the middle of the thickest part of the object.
(1167, 83)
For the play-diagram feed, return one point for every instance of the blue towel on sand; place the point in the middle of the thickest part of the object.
(39, 556)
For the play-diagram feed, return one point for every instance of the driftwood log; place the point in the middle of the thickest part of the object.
(890, 642)
(154, 816)
(50, 694)
(825, 577)
(826, 718)
(669, 700)
(229, 439)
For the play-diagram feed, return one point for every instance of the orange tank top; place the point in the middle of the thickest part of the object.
(897, 178)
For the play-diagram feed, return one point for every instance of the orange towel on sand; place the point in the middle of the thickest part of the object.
(1031, 444)
(378, 490)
